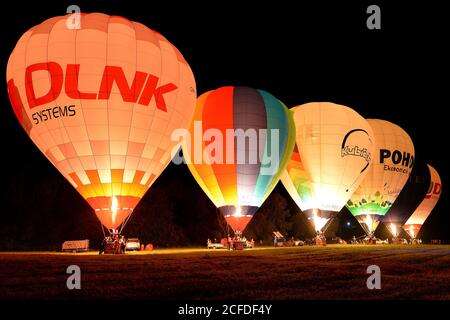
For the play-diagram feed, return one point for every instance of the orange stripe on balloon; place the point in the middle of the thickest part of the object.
(93, 176)
(138, 176)
(218, 114)
(150, 180)
(116, 175)
(126, 189)
(75, 178)
(202, 172)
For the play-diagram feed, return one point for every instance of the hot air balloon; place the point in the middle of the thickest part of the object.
(298, 182)
(409, 198)
(333, 154)
(392, 165)
(243, 138)
(100, 102)
(417, 219)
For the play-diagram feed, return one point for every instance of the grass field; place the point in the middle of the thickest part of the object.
(332, 272)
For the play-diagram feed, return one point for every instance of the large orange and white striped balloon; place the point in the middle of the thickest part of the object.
(101, 103)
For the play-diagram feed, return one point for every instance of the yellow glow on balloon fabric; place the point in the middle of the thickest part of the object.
(334, 150)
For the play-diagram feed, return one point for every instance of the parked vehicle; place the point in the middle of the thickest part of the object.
(75, 245)
(133, 244)
(217, 245)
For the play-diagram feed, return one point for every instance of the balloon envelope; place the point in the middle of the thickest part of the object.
(246, 138)
(392, 165)
(101, 102)
(334, 151)
(417, 219)
(297, 181)
(409, 198)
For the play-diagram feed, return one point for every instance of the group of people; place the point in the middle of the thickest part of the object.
(113, 243)
(321, 240)
(234, 242)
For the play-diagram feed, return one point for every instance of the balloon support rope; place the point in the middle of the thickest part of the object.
(103, 230)
(125, 222)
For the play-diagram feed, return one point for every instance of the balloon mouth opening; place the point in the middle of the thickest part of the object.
(412, 230)
(369, 222)
(238, 224)
(113, 219)
(238, 217)
(394, 228)
(113, 211)
(320, 219)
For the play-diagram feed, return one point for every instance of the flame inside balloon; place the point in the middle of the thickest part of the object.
(319, 222)
(114, 207)
(393, 229)
(369, 222)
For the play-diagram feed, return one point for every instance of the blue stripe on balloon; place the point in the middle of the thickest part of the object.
(276, 119)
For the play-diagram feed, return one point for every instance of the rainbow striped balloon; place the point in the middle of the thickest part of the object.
(247, 137)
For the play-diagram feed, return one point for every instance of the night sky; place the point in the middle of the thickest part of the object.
(300, 53)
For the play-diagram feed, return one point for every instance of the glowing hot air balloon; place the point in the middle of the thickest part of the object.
(409, 198)
(334, 151)
(297, 181)
(101, 102)
(242, 139)
(417, 219)
(392, 165)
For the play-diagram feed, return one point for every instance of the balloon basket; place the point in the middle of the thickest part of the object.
(320, 240)
(113, 248)
(372, 240)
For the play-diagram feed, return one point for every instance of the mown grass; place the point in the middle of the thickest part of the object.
(332, 272)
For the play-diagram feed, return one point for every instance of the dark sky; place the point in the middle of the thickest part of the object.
(321, 51)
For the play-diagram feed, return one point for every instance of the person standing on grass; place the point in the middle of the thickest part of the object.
(102, 246)
(123, 244)
(116, 244)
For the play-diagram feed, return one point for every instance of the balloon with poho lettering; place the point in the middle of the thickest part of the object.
(238, 144)
(100, 101)
(393, 162)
